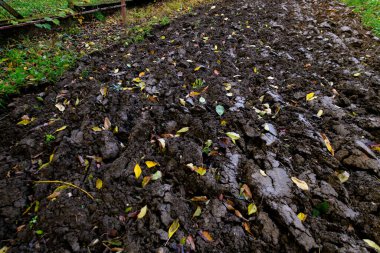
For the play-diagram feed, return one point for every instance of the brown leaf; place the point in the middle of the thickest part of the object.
(247, 228)
(107, 123)
(190, 242)
(199, 199)
(206, 236)
(246, 191)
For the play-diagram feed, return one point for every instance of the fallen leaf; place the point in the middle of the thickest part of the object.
(219, 110)
(357, 74)
(77, 102)
(263, 173)
(301, 184)
(247, 228)
(96, 129)
(173, 228)
(302, 216)
(194, 94)
(142, 212)
(200, 170)
(190, 242)
(252, 208)
(245, 191)
(151, 164)
(60, 107)
(161, 143)
(197, 212)
(99, 184)
(146, 180)
(227, 86)
(182, 101)
(4, 249)
(182, 130)
(238, 214)
(328, 144)
(372, 244)
(157, 175)
(206, 236)
(198, 68)
(107, 123)
(53, 195)
(199, 199)
(310, 96)
(233, 136)
(137, 170)
(343, 176)
(60, 129)
(25, 120)
(320, 113)
(103, 91)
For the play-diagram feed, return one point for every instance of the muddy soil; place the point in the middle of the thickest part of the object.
(257, 59)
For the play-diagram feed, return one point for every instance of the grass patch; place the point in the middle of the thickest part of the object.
(369, 11)
(31, 61)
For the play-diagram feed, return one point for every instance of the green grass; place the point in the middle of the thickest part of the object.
(22, 66)
(369, 11)
(35, 7)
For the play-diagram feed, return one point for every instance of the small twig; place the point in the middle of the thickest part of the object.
(65, 183)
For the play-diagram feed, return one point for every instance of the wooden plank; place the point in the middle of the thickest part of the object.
(98, 3)
(9, 9)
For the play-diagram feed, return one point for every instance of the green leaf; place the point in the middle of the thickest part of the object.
(173, 228)
(372, 244)
(233, 136)
(197, 212)
(219, 110)
(156, 175)
(252, 208)
(39, 232)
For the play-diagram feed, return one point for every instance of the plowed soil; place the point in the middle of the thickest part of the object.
(259, 60)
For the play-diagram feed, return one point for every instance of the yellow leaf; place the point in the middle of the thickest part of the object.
(146, 180)
(233, 136)
(43, 166)
(200, 170)
(60, 129)
(183, 130)
(77, 102)
(197, 68)
(116, 130)
(54, 195)
(151, 164)
(24, 122)
(372, 244)
(51, 157)
(173, 228)
(96, 129)
(182, 101)
(302, 216)
(142, 212)
(137, 170)
(103, 91)
(194, 94)
(136, 80)
(320, 113)
(310, 96)
(328, 144)
(357, 74)
(99, 184)
(343, 176)
(227, 86)
(142, 74)
(4, 249)
(301, 184)
(252, 208)
(197, 212)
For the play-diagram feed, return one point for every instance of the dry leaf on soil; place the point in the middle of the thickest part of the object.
(301, 184)
(137, 170)
(99, 184)
(173, 228)
(328, 144)
(142, 212)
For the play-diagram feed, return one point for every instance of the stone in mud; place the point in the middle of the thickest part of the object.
(360, 160)
(275, 185)
(270, 231)
(289, 218)
(218, 210)
(110, 148)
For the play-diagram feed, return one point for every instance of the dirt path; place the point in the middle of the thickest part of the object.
(259, 60)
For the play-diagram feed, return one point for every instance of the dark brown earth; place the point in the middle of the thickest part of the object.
(281, 50)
